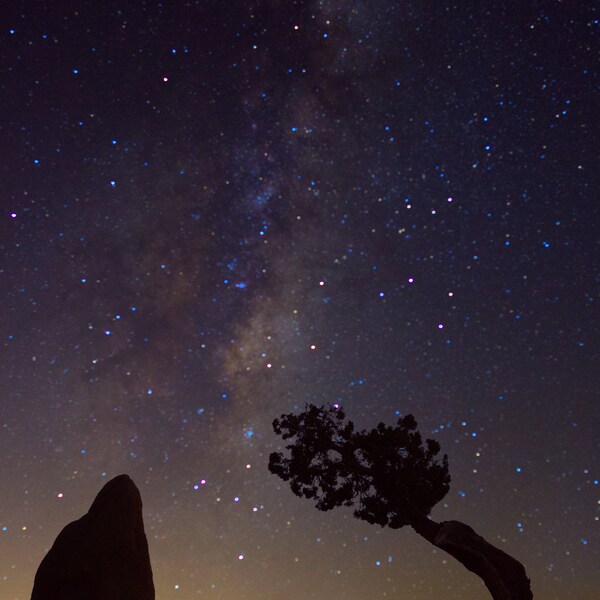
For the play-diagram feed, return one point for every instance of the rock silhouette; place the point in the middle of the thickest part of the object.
(103, 555)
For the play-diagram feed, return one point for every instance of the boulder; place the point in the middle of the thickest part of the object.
(103, 555)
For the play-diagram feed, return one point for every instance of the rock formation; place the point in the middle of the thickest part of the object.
(103, 555)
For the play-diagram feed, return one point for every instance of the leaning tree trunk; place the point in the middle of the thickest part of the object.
(504, 577)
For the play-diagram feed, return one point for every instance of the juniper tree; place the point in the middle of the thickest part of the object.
(390, 477)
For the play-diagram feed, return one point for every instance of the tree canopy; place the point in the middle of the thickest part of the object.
(387, 474)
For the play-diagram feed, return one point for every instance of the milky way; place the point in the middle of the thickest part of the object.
(214, 213)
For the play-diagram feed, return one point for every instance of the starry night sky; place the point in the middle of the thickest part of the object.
(215, 212)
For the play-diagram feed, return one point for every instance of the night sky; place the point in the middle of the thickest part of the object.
(213, 213)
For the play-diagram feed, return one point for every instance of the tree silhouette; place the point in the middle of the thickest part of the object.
(391, 478)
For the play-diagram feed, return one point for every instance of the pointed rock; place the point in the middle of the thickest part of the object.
(103, 555)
